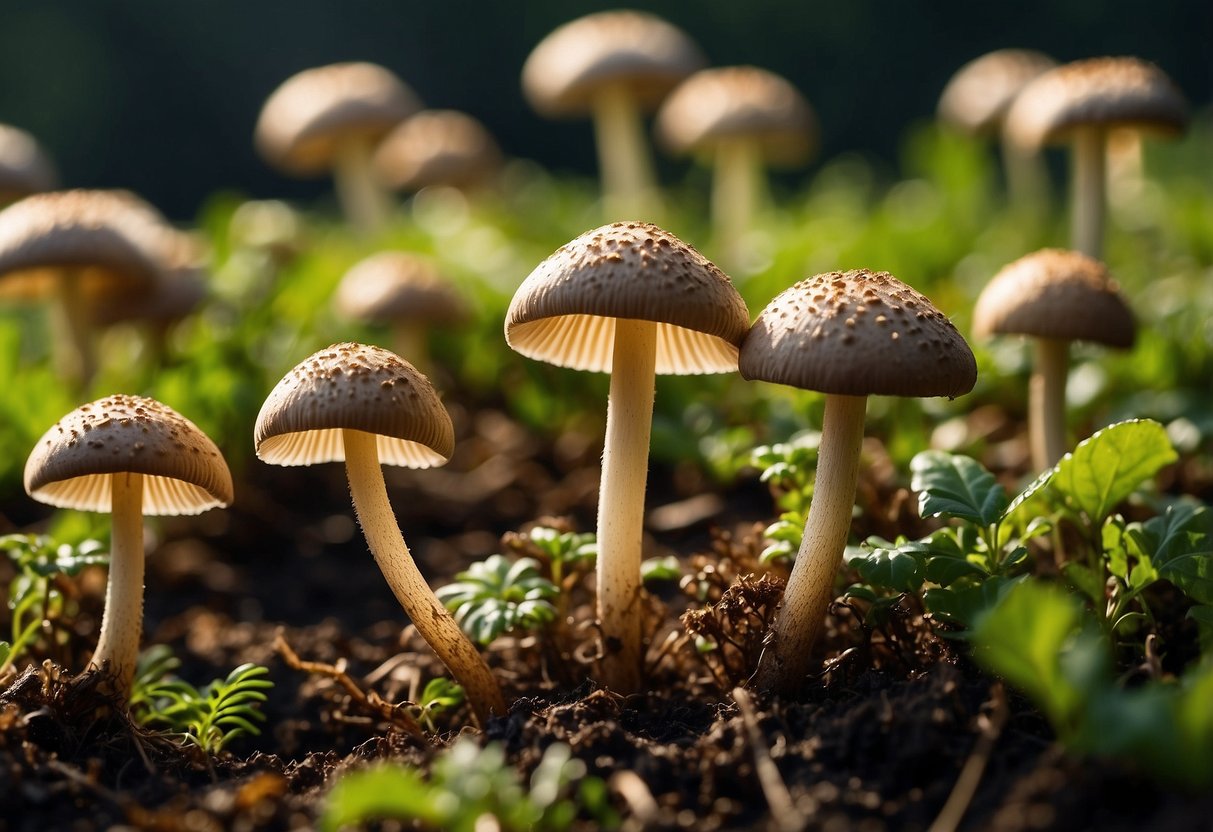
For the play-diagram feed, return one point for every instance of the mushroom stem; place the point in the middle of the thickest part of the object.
(1047, 402)
(1089, 188)
(122, 621)
(73, 320)
(431, 619)
(783, 664)
(734, 194)
(362, 200)
(410, 343)
(623, 155)
(625, 462)
(1027, 181)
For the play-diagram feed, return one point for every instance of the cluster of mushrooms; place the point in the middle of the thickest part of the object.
(628, 299)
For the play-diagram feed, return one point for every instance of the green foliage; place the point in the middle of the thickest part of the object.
(440, 695)
(654, 570)
(788, 469)
(956, 486)
(209, 718)
(494, 596)
(564, 552)
(468, 783)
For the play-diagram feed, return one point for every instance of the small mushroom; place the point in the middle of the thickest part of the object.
(437, 148)
(631, 300)
(849, 335)
(1056, 297)
(368, 407)
(25, 169)
(130, 456)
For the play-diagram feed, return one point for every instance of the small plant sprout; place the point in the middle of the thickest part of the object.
(1081, 103)
(440, 695)
(132, 457)
(849, 335)
(496, 596)
(1055, 297)
(368, 407)
(632, 300)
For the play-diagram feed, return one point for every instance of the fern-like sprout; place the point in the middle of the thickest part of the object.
(495, 596)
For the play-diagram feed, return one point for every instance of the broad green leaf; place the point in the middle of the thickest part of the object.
(892, 568)
(964, 606)
(956, 486)
(1029, 508)
(1110, 465)
(1179, 544)
(946, 571)
(1085, 580)
(382, 791)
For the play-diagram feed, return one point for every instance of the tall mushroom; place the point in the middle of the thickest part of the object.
(368, 407)
(330, 118)
(130, 456)
(1056, 297)
(1080, 103)
(437, 148)
(613, 65)
(849, 335)
(631, 300)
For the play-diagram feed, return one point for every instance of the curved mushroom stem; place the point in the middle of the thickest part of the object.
(1089, 189)
(363, 201)
(625, 464)
(624, 161)
(431, 619)
(1047, 403)
(783, 664)
(735, 185)
(122, 621)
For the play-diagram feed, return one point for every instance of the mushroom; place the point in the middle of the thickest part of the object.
(130, 456)
(849, 335)
(367, 406)
(631, 300)
(330, 118)
(1057, 297)
(1080, 103)
(24, 168)
(437, 148)
(742, 117)
(613, 65)
(975, 102)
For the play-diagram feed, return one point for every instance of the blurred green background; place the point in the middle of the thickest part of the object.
(160, 96)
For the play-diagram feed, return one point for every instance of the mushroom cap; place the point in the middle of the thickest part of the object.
(354, 387)
(24, 168)
(100, 237)
(184, 473)
(858, 333)
(180, 289)
(564, 312)
(1110, 92)
(978, 96)
(437, 147)
(739, 102)
(314, 112)
(398, 285)
(1052, 293)
(644, 53)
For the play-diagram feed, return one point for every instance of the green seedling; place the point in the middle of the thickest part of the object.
(494, 597)
(565, 553)
(788, 470)
(656, 570)
(439, 696)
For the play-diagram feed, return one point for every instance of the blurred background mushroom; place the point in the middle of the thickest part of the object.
(25, 168)
(443, 148)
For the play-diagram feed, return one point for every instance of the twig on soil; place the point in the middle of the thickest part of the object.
(82, 779)
(640, 800)
(783, 810)
(371, 701)
(969, 779)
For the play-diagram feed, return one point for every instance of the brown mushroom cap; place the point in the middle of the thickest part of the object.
(858, 333)
(313, 112)
(1111, 92)
(739, 102)
(978, 96)
(397, 285)
(1064, 295)
(180, 289)
(437, 147)
(564, 312)
(354, 387)
(24, 168)
(184, 473)
(636, 49)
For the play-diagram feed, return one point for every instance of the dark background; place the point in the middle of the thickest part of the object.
(160, 96)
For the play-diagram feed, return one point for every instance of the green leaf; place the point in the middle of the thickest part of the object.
(660, 569)
(891, 568)
(1110, 465)
(1028, 509)
(383, 791)
(956, 486)
(964, 606)
(1085, 580)
(1179, 544)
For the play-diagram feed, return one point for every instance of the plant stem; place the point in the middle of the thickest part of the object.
(122, 621)
(624, 161)
(1089, 189)
(1047, 403)
(811, 585)
(363, 201)
(431, 619)
(625, 462)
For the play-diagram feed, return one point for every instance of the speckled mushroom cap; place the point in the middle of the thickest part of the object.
(858, 333)
(354, 387)
(184, 473)
(978, 96)
(1113, 92)
(306, 119)
(639, 50)
(24, 168)
(738, 102)
(1058, 294)
(397, 285)
(564, 312)
(437, 147)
